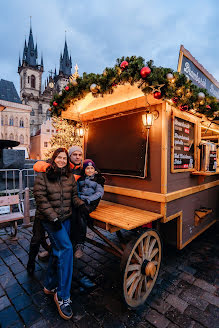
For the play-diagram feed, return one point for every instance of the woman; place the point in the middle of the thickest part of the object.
(55, 191)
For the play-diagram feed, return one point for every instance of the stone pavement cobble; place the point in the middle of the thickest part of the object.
(186, 294)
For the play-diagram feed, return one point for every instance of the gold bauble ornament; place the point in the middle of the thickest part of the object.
(94, 88)
(201, 96)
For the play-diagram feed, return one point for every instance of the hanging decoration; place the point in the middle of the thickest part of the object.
(170, 77)
(145, 71)
(66, 88)
(201, 96)
(124, 64)
(160, 81)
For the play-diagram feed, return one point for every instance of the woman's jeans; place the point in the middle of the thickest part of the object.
(60, 267)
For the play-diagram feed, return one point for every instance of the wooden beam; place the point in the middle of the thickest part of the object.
(189, 191)
(141, 194)
(158, 197)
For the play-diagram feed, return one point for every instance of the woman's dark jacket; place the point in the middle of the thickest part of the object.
(55, 197)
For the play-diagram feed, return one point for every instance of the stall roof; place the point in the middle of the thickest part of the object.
(124, 97)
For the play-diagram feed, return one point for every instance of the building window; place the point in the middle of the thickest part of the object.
(33, 81)
(21, 83)
(6, 120)
(11, 137)
(2, 121)
(45, 144)
(32, 122)
(22, 139)
(40, 109)
(32, 113)
(48, 130)
(21, 123)
(11, 121)
(28, 79)
(48, 114)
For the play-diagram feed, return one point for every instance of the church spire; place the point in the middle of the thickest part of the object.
(65, 61)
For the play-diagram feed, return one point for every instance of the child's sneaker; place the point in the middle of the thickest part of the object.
(79, 251)
(64, 307)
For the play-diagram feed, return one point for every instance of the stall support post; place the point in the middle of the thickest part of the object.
(26, 222)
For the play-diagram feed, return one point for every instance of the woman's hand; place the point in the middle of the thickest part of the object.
(57, 224)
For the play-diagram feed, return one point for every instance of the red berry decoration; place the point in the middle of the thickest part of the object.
(174, 100)
(66, 88)
(124, 64)
(145, 71)
(54, 103)
(184, 108)
(208, 107)
(157, 95)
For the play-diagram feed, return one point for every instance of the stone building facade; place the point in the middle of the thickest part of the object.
(15, 122)
(39, 144)
(32, 92)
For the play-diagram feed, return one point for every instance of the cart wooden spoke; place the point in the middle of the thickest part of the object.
(139, 279)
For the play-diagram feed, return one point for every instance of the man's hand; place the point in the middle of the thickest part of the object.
(57, 224)
(83, 210)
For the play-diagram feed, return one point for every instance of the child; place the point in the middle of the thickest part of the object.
(90, 190)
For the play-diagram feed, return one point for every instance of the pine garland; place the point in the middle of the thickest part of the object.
(181, 92)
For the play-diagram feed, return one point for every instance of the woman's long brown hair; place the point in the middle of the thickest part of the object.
(53, 170)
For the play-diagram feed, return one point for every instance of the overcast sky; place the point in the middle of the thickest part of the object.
(99, 31)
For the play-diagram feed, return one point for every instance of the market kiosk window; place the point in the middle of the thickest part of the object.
(118, 145)
(183, 144)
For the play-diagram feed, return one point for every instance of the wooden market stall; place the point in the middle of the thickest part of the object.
(152, 175)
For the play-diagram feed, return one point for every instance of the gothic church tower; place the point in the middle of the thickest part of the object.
(31, 80)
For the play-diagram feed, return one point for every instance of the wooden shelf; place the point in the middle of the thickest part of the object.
(199, 215)
(202, 175)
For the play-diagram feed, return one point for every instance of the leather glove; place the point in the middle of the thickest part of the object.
(57, 224)
(83, 210)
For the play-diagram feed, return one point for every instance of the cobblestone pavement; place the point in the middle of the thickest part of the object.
(186, 294)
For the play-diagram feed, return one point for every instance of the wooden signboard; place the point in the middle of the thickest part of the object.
(183, 145)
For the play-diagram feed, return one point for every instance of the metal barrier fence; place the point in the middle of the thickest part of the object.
(15, 181)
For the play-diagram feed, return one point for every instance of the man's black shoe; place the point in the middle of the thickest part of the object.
(64, 307)
(30, 268)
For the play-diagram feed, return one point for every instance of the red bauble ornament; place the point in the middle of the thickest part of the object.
(208, 107)
(66, 88)
(114, 84)
(124, 64)
(184, 108)
(145, 71)
(157, 95)
(54, 103)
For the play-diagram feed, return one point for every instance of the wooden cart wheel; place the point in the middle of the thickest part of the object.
(141, 263)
